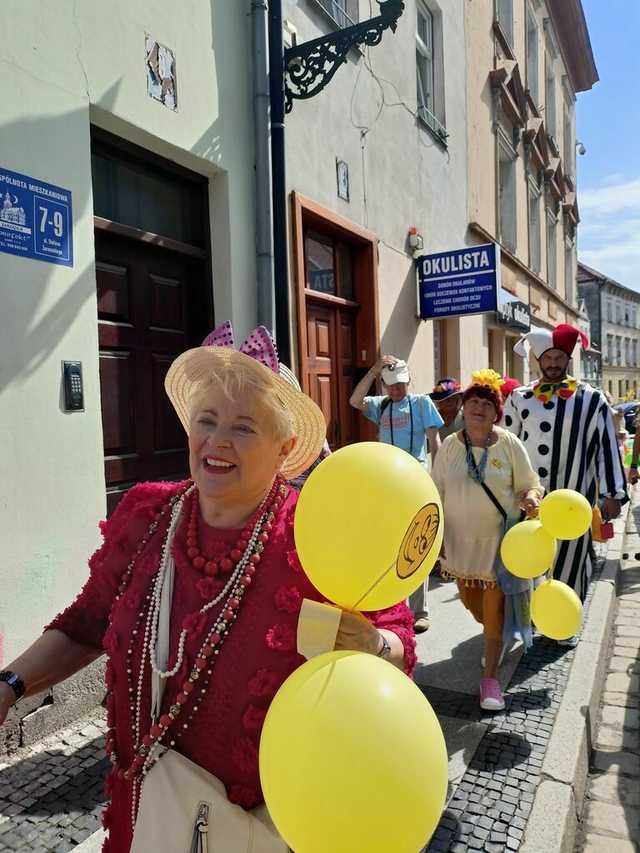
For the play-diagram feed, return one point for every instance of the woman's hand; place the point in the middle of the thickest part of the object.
(357, 634)
(530, 504)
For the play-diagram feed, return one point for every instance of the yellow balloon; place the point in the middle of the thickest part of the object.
(556, 610)
(528, 550)
(352, 758)
(566, 514)
(368, 526)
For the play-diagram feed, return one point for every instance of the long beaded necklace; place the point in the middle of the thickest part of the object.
(148, 748)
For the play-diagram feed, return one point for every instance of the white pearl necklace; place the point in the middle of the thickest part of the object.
(154, 610)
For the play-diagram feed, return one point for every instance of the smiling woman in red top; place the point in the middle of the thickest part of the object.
(224, 539)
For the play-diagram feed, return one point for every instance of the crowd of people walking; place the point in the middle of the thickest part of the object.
(196, 591)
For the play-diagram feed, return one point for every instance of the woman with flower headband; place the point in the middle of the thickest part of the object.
(195, 597)
(485, 480)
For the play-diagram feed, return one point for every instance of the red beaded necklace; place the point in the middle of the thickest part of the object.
(146, 747)
(224, 564)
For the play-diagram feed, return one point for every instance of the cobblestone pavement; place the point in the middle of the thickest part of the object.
(611, 822)
(489, 808)
(51, 795)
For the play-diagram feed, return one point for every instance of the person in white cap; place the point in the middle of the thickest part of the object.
(407, 421)
(567, 429)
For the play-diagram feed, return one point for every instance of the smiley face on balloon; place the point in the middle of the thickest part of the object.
(368, 526)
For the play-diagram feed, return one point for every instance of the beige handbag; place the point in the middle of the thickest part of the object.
(183, 808)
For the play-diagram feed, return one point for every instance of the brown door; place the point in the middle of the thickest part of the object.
(145, 319)
(330, 365)
(322, 366)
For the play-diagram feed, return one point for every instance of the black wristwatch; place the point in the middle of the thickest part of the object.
(14, 681)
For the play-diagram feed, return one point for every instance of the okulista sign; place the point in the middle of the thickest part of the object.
(459, 282)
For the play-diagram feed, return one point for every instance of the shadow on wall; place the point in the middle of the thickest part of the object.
(29, 335)
(397, 338)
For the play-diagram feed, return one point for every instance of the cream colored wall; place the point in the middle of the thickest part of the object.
(482, 142)
(399, 175)
(63, 66)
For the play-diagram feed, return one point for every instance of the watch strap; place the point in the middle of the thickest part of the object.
(14, 681)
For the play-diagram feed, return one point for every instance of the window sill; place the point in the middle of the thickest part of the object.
(440, 136)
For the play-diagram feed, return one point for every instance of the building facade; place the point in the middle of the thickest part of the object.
(143, 115)
(380, 151)
(590, 359)
(614, 311)
(526, 62)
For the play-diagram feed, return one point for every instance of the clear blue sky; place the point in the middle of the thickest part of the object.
(608, 124)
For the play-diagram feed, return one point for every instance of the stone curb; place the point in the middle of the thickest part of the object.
(559, 798)
(92, 844)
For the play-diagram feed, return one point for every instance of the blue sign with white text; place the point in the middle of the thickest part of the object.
(35, 219)
(460, 282)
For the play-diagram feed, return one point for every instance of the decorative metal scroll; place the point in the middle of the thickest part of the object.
(310, 66)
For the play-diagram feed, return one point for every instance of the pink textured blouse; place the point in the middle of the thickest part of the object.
(257, 656)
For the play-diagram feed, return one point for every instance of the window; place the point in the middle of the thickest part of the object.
(504, 14)
(569, 277)
(618, 351)
(620, 388)
(627, 352)
(611, 387)
(329, 265)
(506, 193)
(429, 81)
(532, 57)
(609, 311)
(343, 12)
(550, 100)
(551, 249)
(634, 353)
(609, 353)
(568, 146)
(534, 227)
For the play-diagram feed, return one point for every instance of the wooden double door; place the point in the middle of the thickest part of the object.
(150, 309)
(331, 359)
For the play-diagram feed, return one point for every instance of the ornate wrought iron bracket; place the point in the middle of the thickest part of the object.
(310, 66)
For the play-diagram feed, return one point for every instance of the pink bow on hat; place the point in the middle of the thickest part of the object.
(259, 345)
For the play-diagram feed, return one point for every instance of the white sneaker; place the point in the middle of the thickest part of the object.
(570, 642)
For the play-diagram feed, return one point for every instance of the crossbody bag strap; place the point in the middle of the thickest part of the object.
(494, 500)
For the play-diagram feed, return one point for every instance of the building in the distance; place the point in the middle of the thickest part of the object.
(590, 368)
(526, 62)
(614, 313)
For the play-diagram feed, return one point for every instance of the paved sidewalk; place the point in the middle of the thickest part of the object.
(51, 795)
(611, 822)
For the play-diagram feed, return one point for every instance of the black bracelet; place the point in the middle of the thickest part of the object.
(14, 681)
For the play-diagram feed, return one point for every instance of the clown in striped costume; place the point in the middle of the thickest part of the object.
(568, 431)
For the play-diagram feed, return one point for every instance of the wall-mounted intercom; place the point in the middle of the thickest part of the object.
(73, 388)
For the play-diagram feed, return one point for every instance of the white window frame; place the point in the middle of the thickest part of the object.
(550, 115)
(430, 70)
(569, 273)
(533, 56)
(507, 207)
(338, 11)
(534, 196)
(552, 249)
(504, 16)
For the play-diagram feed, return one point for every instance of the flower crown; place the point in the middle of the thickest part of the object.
(487, 378)
(447, 387)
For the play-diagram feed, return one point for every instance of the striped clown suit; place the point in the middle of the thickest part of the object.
(572, 444)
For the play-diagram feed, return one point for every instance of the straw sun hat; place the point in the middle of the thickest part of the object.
(193, 369)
